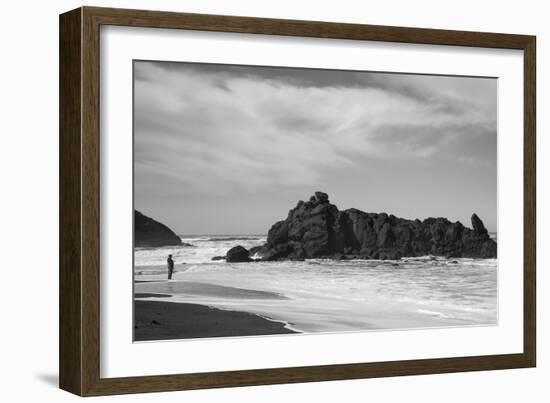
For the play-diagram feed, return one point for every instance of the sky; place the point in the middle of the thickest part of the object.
(227, 149)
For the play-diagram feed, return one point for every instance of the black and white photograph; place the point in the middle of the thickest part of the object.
(286, 201)
(242, 201)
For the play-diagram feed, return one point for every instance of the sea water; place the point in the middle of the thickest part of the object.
(323, 295)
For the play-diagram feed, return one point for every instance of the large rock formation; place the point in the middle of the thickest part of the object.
(151, 233)
(316, 228)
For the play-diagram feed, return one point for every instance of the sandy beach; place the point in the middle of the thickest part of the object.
(159, 320)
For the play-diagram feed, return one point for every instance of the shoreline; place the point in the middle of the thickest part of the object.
(335, 298)
(163, 320)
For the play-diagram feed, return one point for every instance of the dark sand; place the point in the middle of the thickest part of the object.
(151, 295)
(159, 320)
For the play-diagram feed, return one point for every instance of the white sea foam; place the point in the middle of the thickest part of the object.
(196, 249)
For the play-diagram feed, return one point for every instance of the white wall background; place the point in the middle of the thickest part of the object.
(29, 201)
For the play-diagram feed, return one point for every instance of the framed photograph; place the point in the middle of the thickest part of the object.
(249, 201)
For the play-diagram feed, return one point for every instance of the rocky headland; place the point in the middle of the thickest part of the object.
(318, 229)
(151, 233)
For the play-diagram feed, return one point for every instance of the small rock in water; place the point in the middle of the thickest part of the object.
(155, 322)
(237, 254)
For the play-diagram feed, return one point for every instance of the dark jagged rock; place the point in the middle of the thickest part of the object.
(237, 254)
(151, 233)
(317, 228)
(321, 197)
(477, 225)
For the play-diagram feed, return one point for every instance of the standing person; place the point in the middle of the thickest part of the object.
(170, 263)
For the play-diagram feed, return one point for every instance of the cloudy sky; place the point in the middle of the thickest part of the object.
(224, 149)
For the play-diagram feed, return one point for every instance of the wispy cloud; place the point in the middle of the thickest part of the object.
(219, 130)
(255, 130)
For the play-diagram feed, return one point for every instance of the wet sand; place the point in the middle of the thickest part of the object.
(201, 289)
(159, 320)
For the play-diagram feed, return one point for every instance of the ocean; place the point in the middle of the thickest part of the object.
(321, 295)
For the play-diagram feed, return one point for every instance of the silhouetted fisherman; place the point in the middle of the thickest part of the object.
(170, 266)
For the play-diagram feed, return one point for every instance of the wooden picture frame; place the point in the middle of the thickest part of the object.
(79, 279)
